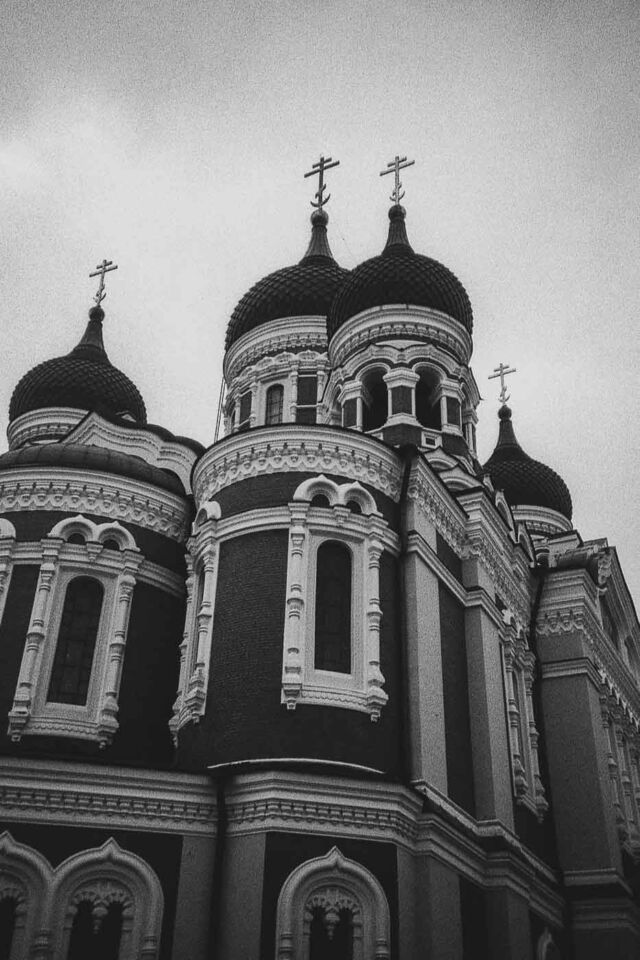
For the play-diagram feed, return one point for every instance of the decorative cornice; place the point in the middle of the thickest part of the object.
(97, 493)
(395, 322)
(136, 442)
(111, 797)
(431, 497)
(542, 521)
(288, 335)
(293, 448)
(37, 426)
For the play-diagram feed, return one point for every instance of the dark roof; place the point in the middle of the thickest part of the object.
(302, 290)
(398, 275)
(77, 456)
(84, 378)
(525, 482)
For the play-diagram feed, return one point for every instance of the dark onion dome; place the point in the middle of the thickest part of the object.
(84, 379)
(525, 482)
(305, 289)
(399, 275)
(77, 456)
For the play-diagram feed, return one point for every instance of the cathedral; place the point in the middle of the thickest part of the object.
(328, 688)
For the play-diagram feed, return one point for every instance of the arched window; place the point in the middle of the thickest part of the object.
(333, 608)
(375, 407)
(275, 404)
(76, 642)
(427, 406)
(8, 910)
(332, 908)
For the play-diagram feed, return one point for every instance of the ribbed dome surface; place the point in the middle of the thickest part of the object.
(524, 481)
(84, 378)
(302, 290)
(86, 458)
(398, 275)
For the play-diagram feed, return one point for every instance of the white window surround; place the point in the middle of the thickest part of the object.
(115, 570)
(48, 898)
(7, 551)
(363, 688)
(329, 885)
(518, 665)
(195, 649)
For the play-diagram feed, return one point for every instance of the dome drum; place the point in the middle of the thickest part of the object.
(43, 425)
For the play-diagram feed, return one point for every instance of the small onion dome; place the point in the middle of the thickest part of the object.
(525, 482)
(77, 456)
(303, 290)
(84, 379)
(399, 275)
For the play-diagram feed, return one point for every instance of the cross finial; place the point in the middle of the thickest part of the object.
(317, 170)
(395, 167)
(502, 371)
(105, 267)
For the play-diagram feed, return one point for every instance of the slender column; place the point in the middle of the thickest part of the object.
(296, 597)
(108, 713)
(207, 565)
(376, 696)
(293, 402)
(176, 718)
(23, 701)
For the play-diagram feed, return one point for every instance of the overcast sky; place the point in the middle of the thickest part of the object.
(172, 138)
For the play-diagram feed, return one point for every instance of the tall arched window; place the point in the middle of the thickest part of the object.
(375, 407)
(76, 642)
(333, 608)
(274, 404)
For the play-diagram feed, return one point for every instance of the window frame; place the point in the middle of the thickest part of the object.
(116, 571)
(364, 534)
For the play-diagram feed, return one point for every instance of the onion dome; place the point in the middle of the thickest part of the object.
(524, 481)
(84, 379)
(303, 290)
(399, 275)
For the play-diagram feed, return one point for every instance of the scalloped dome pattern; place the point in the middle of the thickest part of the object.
(84, 378)
(399, 275)
(524, 481)
(302, 290)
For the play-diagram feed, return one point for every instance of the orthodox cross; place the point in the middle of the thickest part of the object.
(105, 267)
(395, 167)
(317, 170)
(502, 371)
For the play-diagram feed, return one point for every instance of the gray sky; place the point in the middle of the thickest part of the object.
(172, 138)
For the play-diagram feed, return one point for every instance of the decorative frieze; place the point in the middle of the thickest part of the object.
(101, 494)
(290, 448)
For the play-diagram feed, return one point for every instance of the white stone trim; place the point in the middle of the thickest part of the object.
(518, 664)
(195, 650)
(7, 559)
(399, 322)
(542, 521)
(59, 793)
(101, 875)
(363, 688)
(330, 884)
(285, 335)
(105, 494)
(296, 448)
(43, 425)
(62, 562)
(136, 441)
(24, 878)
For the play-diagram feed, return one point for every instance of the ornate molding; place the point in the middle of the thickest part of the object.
(287, 335)
(292, 448)
(45, 424)
(399, 321)
(118, 798)
(101, 494)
